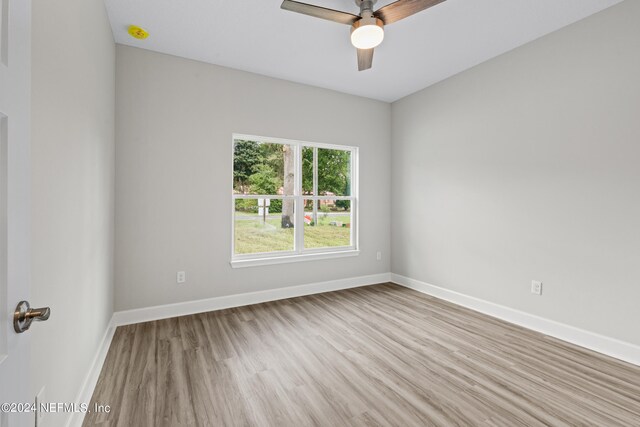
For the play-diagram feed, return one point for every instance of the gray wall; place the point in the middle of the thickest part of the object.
(73, 90)
(174, 121)
(526, 167)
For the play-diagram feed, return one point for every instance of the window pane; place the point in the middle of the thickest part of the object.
(329, 225)
(307, 170)
(263, 225)
(334, 172)
(263, 168)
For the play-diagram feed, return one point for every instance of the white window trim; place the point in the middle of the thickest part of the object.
(299, 253)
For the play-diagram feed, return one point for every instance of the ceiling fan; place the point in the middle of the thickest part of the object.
(367, 28)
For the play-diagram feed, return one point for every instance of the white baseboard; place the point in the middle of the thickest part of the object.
(90, 381)
(200, 306)
(609, 346)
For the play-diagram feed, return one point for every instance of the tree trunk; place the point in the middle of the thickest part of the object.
(287, 204)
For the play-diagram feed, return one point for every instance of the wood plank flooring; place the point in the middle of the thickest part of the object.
(374, 356)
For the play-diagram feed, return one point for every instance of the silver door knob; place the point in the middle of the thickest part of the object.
(24, 315)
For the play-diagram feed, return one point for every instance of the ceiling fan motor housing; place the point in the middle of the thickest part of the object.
(367, 20)
(366, 13)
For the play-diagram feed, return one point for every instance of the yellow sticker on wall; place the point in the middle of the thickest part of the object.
(137, 32)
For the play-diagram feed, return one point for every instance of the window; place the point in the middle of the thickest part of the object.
(292, 201)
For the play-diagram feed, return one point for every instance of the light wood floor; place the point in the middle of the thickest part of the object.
(379, 355)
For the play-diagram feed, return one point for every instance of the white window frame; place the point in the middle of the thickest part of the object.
(299, 253)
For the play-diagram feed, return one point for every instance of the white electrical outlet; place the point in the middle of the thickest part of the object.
(379, 255)
(536, 287)
(181, 277)
(39, 413)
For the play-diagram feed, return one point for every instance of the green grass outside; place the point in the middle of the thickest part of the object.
(253, 236)
(324, 235)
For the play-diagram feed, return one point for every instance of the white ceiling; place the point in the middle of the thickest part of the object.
(257, 36)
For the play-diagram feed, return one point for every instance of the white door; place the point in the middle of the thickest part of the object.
(15, 99)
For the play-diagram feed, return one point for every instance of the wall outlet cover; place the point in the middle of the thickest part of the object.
(536, 287)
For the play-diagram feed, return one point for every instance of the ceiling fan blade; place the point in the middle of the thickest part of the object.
(402, 8)
(319, 12)
(365, 59)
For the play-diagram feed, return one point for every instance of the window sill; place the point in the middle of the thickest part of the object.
(241, 263)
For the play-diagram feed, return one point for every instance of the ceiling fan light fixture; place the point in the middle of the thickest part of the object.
(367, 33)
